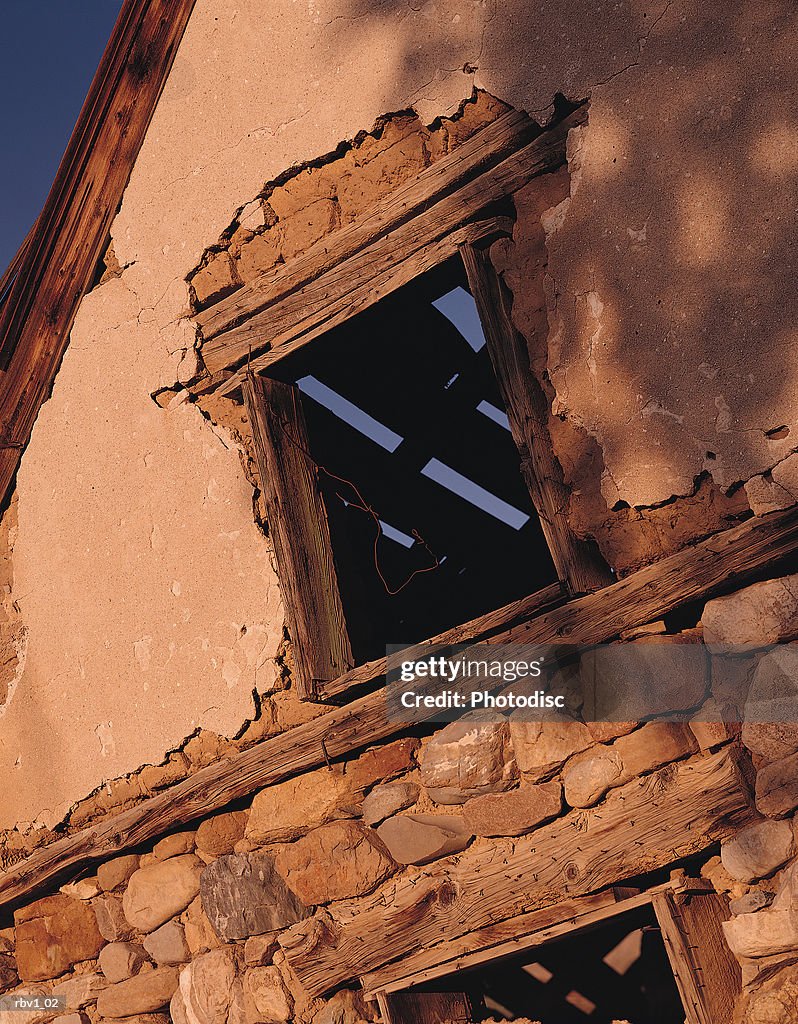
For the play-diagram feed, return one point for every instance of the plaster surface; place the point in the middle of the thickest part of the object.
(120, 500)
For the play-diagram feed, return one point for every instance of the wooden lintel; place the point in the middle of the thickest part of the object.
(720, 563)
(395, 255)
(645, 825)
(488, 146)
(325, 303)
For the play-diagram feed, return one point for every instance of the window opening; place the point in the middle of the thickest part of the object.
(431, 523)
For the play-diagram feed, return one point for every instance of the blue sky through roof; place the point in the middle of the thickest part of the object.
(49, 51)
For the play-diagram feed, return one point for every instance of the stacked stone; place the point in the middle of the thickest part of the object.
(191, 928)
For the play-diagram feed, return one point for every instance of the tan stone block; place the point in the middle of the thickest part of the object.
(777, 787)
(114, 873)
(121, 960)
(259, 255)
(259, 949)
(147, 992)
(764, 613)
(267, 990)
(217, 279)
(161, 890)
(420, 838)
(52, 934)
(207, 987)
(763, 933)
(167, 944)
(656, 744)
(513, 813)
(334, 862)
(111, 920)
(219, 834)
(199, 933)
(604, 732)
(758, 850)
(467, 759)
(174, 845)
(287, 810)
(541, 747)
(588, 775)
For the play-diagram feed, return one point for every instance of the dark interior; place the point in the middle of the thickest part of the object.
(615, 971)
(435, 427)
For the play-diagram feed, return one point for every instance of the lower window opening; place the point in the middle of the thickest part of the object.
(616, 972)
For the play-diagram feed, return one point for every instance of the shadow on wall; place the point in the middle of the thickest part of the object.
(674, 339)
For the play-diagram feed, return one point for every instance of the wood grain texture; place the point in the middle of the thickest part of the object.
(337, 297)
(720, 563)
(58, 264)
(494, 941)
(578, 562)
(487, 146)
(427, 1008)
(645, 825)
(300, 532)
(369, 270)
(708, 976)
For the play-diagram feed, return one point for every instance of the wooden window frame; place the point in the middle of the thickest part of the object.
(689, 913)
(438, 215)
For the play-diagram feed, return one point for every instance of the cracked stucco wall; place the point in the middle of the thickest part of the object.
(146, 591)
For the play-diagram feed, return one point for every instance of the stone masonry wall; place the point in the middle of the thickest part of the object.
(189, 925)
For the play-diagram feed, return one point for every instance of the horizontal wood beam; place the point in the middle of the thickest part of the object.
(720, 563)
(323, 305)
(497, 940)
(481, 628)
(58, 262)
(349, 285)
(646, 824)
(486, 147)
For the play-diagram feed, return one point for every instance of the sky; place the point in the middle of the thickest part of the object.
(49, 51)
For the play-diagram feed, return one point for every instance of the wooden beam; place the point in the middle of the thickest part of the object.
(578, 562)
(720, 563)
(485, 148)
(646, 824)
(366, 275)
(494, 941)
(707, 974)
(325, 303)
(481, 628)
(298, 527)
(59, 263)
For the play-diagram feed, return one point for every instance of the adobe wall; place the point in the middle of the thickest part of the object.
(198, 924)
(143, 619)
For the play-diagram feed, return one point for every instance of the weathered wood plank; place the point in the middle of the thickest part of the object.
(496, 940)
(486, 147)
(707, 974)
(427, 1008)
(328, 303)
(721, 562)
(646, 824)
(304, 309)
(477, 629)
(66, 243)
(300, 532)
(578, 562)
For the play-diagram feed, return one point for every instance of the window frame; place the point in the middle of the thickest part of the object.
(418, 227)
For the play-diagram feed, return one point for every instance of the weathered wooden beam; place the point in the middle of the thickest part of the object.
(513, 935)
(481, 628)
(486, 147)
(325, 303)
(300, 531)
(67, 241)
(366, 275)
(647, 824)
(578, 562)
(720, 563)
